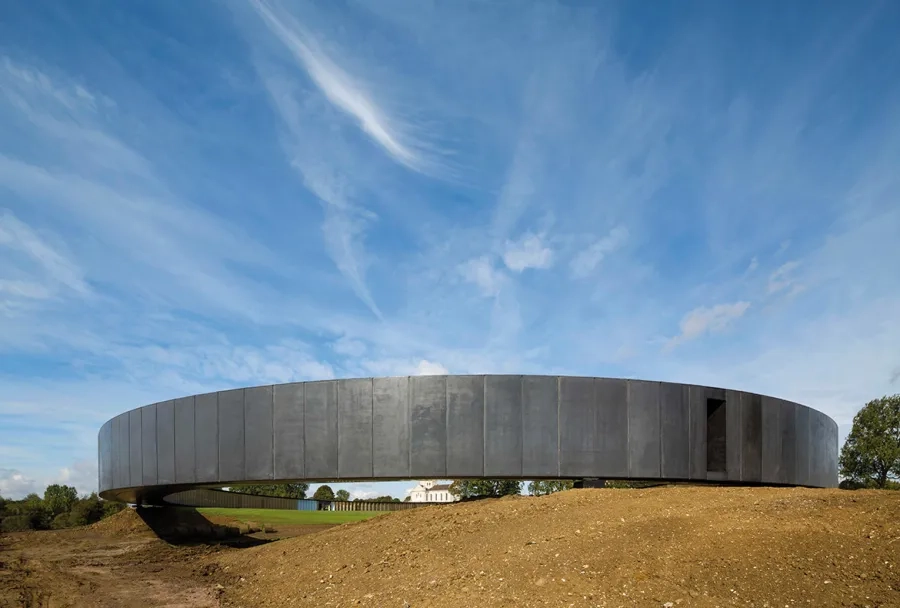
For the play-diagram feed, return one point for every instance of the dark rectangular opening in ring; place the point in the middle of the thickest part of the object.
(715, 435)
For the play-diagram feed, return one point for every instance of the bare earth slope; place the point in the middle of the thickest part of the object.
(691, 546)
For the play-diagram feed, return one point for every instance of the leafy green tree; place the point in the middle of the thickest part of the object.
(549, 486)
(281, 490)
(871, 454)
(30, 513)
(59, 499)
(324, 493)
(86, 511)
(479, 488)
(342, 495)
(61, 521)
(111, 507)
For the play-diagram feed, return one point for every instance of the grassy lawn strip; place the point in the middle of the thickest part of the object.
(287, 517)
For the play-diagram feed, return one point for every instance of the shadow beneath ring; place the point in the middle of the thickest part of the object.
(186, 526)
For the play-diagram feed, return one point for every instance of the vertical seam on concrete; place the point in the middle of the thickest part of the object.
(272, 436)
(659, 427)
(690, 408)
(484, 406)
(595, 423)
(372, 424)
(558, 428)
(141, 446)
(194, 438)
(244, 434)
(303, 430)
(409, 398)
(337, 427)
(522, 424)
(740, 425)
(218, 455)
(628, 428)
(447, 425)
(156, 432)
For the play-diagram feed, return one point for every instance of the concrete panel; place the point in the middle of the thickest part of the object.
(231, 436)
(578, 437)
(148, 445)
(697, 438)
(502, 426)
(115, 455)
(390, 427)
(121, 451)
(135, 462)
(355, 428)
(771, 440)
(105, 476)
(111, 456)
(819, 452)
(287, 415)
(185, 461)
(258, 433)
(428, 426)
(751, 437)
(206, 437)
(733, 435)
(675, 418)
(643, 429)
(165, 442)
(788, 424)
(104, 459)
(801, 461)
(540, 426)
(320, 430)
(465, 426)
(830, 479)
(610, 428)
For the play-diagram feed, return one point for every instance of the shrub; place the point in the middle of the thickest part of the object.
(17, 523)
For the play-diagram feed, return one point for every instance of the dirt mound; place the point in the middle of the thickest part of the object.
(126, 522)
(678, 546)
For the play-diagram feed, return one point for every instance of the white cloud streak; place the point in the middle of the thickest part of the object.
(529, 252)
(482, 273)
(703, 320)
(586, 261)
(783, 279)
(18, 236)
(339, 87)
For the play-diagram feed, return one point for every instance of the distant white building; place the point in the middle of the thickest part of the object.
(429, 490)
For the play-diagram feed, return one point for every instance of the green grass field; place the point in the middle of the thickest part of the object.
(285, 517)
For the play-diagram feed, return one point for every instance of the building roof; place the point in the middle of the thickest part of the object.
(439, 487)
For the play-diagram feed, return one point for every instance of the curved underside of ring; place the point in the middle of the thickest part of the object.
(452, 427)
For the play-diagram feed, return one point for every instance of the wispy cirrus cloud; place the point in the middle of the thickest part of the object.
(783, 279)
(707, 319)
(18, 237)
(529, 252)
(342, 90)
(481, 272)
(584, 263)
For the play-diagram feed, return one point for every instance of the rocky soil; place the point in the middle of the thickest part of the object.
(664, 547)
(668, 546)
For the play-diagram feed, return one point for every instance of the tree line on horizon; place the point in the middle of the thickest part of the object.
(59, 508)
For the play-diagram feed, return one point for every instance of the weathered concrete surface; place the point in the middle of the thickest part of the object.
(525, 427)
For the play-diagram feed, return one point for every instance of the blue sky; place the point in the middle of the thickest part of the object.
(200, 195)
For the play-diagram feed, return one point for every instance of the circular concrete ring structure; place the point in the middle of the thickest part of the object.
(450, 427)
